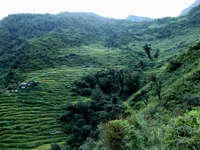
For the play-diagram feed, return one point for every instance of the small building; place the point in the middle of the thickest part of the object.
(22, 85)
(85, 66)
(30, 83)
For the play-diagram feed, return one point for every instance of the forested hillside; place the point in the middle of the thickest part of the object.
(81, 81)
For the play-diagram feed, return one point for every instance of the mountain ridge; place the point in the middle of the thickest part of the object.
(138, 18)
(186, 10)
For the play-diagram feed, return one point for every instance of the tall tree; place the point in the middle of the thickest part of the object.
(147, 49)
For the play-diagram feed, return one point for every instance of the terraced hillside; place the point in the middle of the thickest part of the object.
(53, 51)
(29, 117)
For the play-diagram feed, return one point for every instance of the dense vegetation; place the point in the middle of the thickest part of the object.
(81, 81)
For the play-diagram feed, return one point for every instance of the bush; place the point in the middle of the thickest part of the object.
(183, 132)
(195, 47)
(55, 146)
(191, 99)
(173, 65)
(122, 134)
(91, 144)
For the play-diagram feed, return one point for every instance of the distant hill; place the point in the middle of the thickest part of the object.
(138, 19)
(186, 10)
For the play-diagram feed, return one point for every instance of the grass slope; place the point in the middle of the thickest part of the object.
(28, 117)
(180, 100)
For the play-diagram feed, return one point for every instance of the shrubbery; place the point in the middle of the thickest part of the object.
(122, 134)
(183, 132)
(173, 65)
(81, 119)
(110, 81)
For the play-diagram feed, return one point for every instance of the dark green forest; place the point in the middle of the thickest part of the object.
(79, 81)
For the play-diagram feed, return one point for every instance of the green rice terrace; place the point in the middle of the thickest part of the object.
(32, 118)
(79, 81)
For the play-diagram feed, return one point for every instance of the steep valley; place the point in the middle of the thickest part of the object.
(91, 79)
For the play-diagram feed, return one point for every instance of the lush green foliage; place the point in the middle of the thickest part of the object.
(183, 132)
(81, 119)
(156, 129)
(123, 134)
(121, 83)
(147, 49)
(99, 66)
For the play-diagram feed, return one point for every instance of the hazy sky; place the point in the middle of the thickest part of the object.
(118, 9)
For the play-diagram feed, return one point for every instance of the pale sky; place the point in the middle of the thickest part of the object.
(118, 9)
